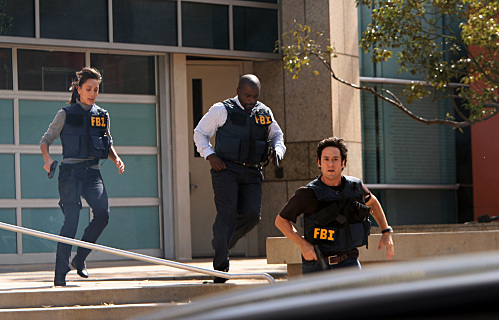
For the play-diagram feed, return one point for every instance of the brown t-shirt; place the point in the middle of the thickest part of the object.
(304, 201)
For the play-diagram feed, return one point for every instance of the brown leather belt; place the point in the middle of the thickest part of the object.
(331, 260)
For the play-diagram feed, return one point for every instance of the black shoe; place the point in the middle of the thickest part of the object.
(60, 280)
(81, 268)
(219, 279)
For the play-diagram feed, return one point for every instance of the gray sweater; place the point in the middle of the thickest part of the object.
(54, 131)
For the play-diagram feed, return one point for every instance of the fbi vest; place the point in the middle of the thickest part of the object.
(83, 135)
(243, 137)
(341, 223)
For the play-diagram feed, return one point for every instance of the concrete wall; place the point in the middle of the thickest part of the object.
(411, 243)
(311, 107)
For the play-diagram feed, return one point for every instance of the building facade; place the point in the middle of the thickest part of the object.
(146, 52)
(421, 173)
(164, 63)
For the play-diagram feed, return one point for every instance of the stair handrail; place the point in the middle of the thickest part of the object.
(134, 255)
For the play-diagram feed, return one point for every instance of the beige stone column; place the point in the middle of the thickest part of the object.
(311, 107)
(346, 118)
(180, 159)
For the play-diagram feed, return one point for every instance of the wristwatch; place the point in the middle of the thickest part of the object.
(389, 229)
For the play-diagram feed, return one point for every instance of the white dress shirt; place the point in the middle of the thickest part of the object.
(216, 117)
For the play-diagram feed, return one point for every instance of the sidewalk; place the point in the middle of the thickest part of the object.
(129, 273)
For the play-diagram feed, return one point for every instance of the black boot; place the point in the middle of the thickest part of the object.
(80, 267)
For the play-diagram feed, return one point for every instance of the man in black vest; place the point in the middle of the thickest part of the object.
(245, 129)
(336, 210)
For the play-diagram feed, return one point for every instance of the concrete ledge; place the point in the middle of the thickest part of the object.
(99, 312)
(94, 296)
(408, 246)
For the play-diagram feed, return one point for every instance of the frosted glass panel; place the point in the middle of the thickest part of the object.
(8, 182)
(35, 117)
(132, 124)
(132, 228)
(139, 180)
(6, 122)
(34, 181)
(8, 242)
(50, 221)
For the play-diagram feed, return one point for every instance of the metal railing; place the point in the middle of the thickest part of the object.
(133, 255)
(412, 186)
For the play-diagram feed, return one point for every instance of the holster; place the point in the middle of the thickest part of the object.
(330, 214)
(71, 179)
(358, 210)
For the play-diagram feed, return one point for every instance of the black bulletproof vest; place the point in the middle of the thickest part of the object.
(83, 134)
(243, 137)
(341, 222)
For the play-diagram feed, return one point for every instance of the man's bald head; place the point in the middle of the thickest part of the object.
(248, 91)
(250, 80)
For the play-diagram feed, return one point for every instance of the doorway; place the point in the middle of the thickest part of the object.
(207, 83)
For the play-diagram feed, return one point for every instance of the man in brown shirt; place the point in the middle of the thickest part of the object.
(335, 209)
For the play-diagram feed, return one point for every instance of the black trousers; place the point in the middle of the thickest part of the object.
(76, 181)
(238, 200)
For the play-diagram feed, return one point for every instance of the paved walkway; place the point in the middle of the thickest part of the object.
(129, 273)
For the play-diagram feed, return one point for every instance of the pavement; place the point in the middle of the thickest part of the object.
(130, 273)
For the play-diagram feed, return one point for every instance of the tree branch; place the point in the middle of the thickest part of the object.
(397, 103)
(305, 45)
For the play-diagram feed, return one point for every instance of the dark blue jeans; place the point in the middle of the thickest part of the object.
(76, 181)
(238, 199)
(313, 266)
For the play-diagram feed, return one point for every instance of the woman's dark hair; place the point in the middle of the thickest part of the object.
(333, 142)
(81, 77)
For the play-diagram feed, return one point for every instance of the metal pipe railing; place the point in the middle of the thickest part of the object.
(133, 255)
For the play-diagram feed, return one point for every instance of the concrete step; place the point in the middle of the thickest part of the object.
(104, 303)
(116, 289)
(100, 312)
(67, 296)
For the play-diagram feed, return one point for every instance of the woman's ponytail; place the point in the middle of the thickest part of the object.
(81, 77)
(74, 94)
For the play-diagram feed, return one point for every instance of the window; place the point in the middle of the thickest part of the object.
(6, 122)
(398, 150)
(8, 241)
(197, 106)
(17, 18)
(48, 71)
(34, 118)
(255, 29)
(205, 25)
(7, 170)
(409, 152)
(50, 221)
(134, 126)
(75, 19)
(6, 67)
(125, 74)
(137, 232)
(145, 21)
